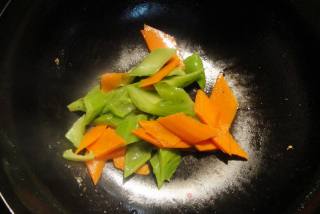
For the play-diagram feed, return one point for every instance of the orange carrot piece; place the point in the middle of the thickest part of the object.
(166, 138)
(180, 145)
(224, 102)
(206, 145)
(111, 81)
(119, 163)
(187, 128)
(158, 39)
(108, 142)
(219, 111)
(91, 136)
(236, 149)
(223, 143)
(204, 109)
(95, 168)
(162, 73)
(143, 170)
(114, 154)
(141, 133)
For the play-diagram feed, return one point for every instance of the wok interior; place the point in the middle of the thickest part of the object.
(264, 51)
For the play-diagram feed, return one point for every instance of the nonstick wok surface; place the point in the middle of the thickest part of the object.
(267, 51)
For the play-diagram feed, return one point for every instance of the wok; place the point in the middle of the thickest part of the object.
(267, 51)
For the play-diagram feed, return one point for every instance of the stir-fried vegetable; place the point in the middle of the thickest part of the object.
(193, 64)
(120, 103)
(203, 107)
(145, 117)
(107, 119)
(178, 71)
(188, 128)
(77, 105)
(110, 81)
(95, 168)
(70, 155)
(224, 103)
(126, 127)
(153, 62)
(94, 102)
(183, 80)
(162, 135)
(91, 136)
(75, 133)
(144, 100)
(137, 155)
(119, 163)
(157, 39)
(162, 73)
(108, 142)
(164, 163)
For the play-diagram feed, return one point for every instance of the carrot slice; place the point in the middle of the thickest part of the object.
(90, 137)
(166, 138)
(158, 39)
(108, 142)
(206, 145)
(235, 148)
(224, 102)
(141, 133)
(95, 168)
(114, 154)
(158, 76)
(111, 81)
(144, 170)
(120, 161)
(223, 143)
(204, 109)
(187, 128)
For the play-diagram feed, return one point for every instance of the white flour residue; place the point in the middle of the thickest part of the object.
(130, 55)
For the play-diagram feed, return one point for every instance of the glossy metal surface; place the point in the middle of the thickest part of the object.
(53, 51)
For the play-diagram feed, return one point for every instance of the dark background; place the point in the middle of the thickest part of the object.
(257, 33)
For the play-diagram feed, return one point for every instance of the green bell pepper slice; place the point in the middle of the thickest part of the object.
(171, 100)
(174, 100)
(192, 64)
(75, 133)
(130, 123)
(144, 100)
(109, 99)
(177, 72)
(94, 102)
(183, 81)
(77, 105)
(169, 162)
(155, 164)
(164, 164)
(137, 154)
(70, 155)
(153, 62)
(121, 104)
(108, 119)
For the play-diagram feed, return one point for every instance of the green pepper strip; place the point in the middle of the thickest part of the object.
(192, 64)
(153, 62)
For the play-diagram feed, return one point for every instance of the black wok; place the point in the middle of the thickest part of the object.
(268, 52)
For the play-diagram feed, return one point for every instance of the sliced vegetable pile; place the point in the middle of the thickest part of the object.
(144, 117)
